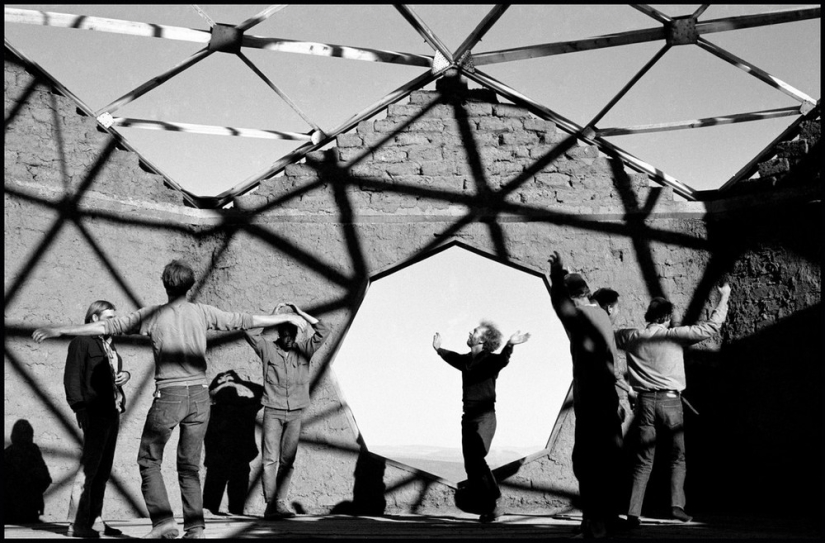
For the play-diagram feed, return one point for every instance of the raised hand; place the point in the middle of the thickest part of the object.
(518, 338)
(724, 289)
(44, 333)
(437, 341)
(555, 260)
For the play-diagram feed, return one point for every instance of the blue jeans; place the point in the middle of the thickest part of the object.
(660, 420)
(278, 448)
(99, 440)
(173, 406)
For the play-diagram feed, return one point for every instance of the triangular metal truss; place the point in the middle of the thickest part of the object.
(673, 31)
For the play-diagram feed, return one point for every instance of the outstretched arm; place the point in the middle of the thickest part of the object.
(89, 329)
(309, 318)
(261, 321)
(701, 331)
(450, 357)
(518, 338)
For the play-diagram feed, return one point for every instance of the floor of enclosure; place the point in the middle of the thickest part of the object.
(509, 526)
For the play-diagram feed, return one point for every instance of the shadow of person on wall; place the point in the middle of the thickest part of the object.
(230, 441)
(368, 490)
(26, 477)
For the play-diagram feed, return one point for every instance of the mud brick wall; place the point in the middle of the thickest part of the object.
(84, 221)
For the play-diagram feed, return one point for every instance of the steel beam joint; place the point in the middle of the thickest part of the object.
(225, 38)
(681, 31)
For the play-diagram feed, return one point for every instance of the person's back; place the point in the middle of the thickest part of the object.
(178, 333)
(655, 354)
(593, 351)
(656, 365)
(598, 433)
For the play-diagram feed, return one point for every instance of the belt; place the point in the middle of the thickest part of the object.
(654, 392)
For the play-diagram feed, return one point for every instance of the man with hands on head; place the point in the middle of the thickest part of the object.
(479, 371)
(286, 378)
(177, 330)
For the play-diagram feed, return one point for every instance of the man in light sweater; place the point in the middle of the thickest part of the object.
(656, 364)
(178, 333)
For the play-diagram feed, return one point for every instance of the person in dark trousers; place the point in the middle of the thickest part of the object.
(93, 380)
(230, 441)
(479, 371)
(656, 364)
(608, 299)
(25, 477)
(177, 330)
(597, 451)
(286, 375)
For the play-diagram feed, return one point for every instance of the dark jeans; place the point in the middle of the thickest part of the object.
(173, 406)
(99, 440)
(278, 448)
(597, 461)
(232, 476)
(660, 420)
(477, 430)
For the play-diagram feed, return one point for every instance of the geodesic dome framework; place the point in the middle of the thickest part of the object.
(693, 29)
(315, 234)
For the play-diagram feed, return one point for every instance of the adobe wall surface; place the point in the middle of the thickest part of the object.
(468, 168)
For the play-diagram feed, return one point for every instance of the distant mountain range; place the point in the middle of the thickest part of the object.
(446, 462)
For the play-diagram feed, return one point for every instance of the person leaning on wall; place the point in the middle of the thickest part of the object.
(177, 330)
(656, 364)
(597, 449)
(608, 299)
(93, 380)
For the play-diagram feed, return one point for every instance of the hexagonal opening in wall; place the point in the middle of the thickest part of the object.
(405, 401)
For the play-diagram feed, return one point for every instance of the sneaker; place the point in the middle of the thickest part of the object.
(633, 521)
(165, 530)
(679, 514)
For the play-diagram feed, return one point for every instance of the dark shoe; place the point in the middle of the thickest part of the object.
(110, 530)
(679, 514)
(594, 529)
(633, 522)
(164, 530)
(620, 525)
(194, 533)
(79, 531)
(278, 510)
(491, 516)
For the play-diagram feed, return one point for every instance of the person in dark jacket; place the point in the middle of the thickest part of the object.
(93, 380)
(230, 441)
(479, 371)
(597, 450)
